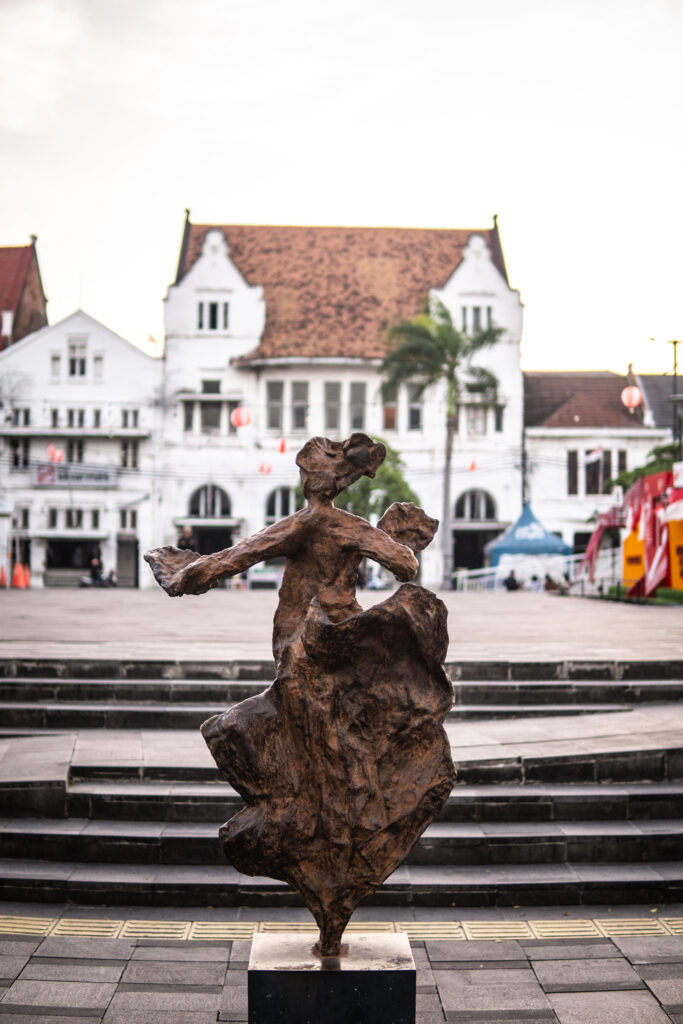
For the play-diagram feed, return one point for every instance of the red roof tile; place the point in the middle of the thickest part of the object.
(578, 400)
(333, 291)
(14, 263)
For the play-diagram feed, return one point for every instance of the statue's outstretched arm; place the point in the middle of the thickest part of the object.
(186, 572)
(378, 545)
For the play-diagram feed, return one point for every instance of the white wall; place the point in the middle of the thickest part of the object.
(122, 378)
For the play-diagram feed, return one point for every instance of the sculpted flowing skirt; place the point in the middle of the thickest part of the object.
(343, 761)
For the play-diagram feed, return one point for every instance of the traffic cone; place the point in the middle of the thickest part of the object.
(27, 576)
(18, 580)
(3, 578)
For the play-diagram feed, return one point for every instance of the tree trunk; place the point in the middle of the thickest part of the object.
(447, 518)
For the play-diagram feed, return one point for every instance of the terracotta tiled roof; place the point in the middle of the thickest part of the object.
(576, 400)
(14, 263)
(333, 291)
(657, 391)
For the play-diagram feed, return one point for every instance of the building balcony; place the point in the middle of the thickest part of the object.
(65, 433)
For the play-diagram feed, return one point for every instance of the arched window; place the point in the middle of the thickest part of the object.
(210, 502)
(280, 503)
(475, 505)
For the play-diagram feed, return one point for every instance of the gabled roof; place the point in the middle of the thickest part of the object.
(14, 263)
(576, 399)
(657, 390)
(333, 291)
(77, 321)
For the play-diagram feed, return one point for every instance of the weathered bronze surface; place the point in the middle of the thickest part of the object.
(343, 761)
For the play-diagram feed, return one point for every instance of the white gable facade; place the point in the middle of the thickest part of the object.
(94, 398)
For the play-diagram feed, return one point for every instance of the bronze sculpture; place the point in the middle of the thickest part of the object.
(343, 761)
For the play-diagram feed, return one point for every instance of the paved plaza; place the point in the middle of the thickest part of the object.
(560, 790)
(231, 624)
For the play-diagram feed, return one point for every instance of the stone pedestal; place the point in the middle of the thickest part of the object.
(372, 983)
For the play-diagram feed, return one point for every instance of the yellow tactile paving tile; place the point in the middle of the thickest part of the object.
(222, 930)
(12, 925)
(497, 930)
(421, 931)
(418, 930)
(101, 929)
(565, 929)
(631, 926)
(156, 930)
(673, 924)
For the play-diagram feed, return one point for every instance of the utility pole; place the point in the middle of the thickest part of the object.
(675, 399)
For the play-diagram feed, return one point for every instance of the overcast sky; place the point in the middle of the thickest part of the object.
(561, 116)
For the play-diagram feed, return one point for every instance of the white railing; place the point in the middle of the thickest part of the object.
(608, 568)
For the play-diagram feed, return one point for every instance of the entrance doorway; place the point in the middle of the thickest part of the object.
(127, 561)
(474, 525)
(212, 538)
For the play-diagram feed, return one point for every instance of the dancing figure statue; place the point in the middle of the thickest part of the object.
(343, 761)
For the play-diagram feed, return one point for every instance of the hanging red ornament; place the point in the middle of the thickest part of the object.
(265, 468)
(631, 397)
(473, 466)
(240, 417)
(50, 449)
(282, 446)
(57, 455)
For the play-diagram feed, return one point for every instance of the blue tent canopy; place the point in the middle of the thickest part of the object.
(527, 537)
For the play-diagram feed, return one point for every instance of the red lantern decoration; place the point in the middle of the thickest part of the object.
(50, 449)
(240, 417)
(282, 446)
(473, 466)
(57, 455)
(265, 468)
(631, 397)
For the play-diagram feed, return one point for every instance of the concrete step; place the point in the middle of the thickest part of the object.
(422, 885)
(215, 801)
(121, 715)
(444, 843)
(202, 691)
(646, 763)
(244, 669)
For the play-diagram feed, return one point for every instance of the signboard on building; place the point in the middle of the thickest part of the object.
(72, 474)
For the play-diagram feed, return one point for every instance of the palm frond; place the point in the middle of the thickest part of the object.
(482, 382)
(483, 339)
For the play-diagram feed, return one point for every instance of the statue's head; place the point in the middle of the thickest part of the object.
(327, 467)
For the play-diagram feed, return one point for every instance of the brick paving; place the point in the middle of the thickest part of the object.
(228, 625)
(57, 980)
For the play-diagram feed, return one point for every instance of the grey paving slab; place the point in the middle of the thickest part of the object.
(173, 972)
(21, 945)
(141, 1001)
(39, 970)
(99, 949)
(462, 999)
(79, 994)
(240, 952)
(46, 1018)
(12, 966)
(586, 975)
(125, 1015)
(608, 1008)
(443, 950)
(655, 972)
(651, 949)
(233, 1005)
(195, 953)
(570, 950)
(669, 991)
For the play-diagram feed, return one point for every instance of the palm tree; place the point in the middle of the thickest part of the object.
(431, 350)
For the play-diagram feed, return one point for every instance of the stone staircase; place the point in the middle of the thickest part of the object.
(602, 823)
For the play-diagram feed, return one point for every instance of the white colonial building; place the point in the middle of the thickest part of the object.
(272, 335)
(93, 398)
(288, 326)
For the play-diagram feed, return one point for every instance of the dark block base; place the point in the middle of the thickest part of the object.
(373, 983)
